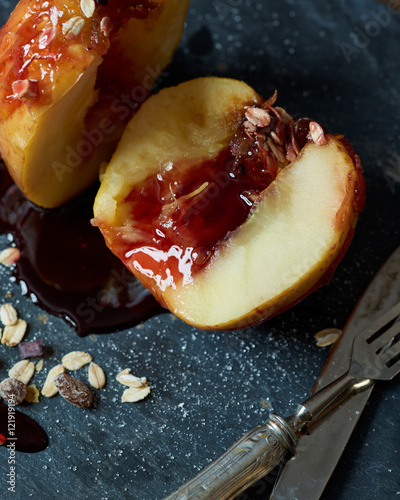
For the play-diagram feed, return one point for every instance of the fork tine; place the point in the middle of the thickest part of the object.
(386, 336)
(383, 320)
(392, 352)
(391, 372)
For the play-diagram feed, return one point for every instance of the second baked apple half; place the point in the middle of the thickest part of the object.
(225, 207)
(72, 74)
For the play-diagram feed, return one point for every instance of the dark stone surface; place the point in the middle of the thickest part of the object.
(209, 388)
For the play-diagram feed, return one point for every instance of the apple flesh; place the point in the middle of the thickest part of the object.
(227, 209)
(70, 81)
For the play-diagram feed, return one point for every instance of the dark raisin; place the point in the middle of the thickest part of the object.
(74, 391)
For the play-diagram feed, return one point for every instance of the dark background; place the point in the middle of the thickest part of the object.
(339, 63)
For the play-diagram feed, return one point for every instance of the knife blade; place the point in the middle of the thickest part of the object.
(305, 476)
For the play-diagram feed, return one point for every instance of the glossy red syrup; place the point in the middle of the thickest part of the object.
(24, 434)
(65, 266)
(184, 213)
(23, 56)
(33, 46)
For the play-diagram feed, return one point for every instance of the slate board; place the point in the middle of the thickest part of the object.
(209, 388)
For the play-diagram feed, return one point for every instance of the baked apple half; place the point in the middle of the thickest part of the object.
(224, 206)
(72, 73)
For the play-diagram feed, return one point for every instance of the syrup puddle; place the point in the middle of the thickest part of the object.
(66, 268)
(19, 432)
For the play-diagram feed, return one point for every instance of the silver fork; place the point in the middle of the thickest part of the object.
(375, 356)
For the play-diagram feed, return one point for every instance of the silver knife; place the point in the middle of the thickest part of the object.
(305, 476)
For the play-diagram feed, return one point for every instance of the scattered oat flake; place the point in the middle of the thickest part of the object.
(96, 375)
(8, 315)
(317, 133)
(327, 337)
(8, 295)
(75, 360)
(126, 378)
(9, 256)
(32, 394)
(23, 371)
(49, 389)
(88, 7)
(33, 349)
(258, 117)
(47, 37)
(135, 394)
(39, 365)
(327, 331)
(13, 334)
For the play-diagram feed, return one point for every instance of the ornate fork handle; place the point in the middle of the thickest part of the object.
(254, 455)
(260, 450)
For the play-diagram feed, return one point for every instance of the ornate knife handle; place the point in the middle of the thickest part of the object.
(245, 462)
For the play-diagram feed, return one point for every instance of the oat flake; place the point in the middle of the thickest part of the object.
(88, 7)
(23, 371)
(135, 394)
(8, 315)
(49, 389)
(75, 360)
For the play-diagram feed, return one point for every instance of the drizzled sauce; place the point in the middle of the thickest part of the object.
(184, 212)
(66, 268)
(33, 45)
(24, 434)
